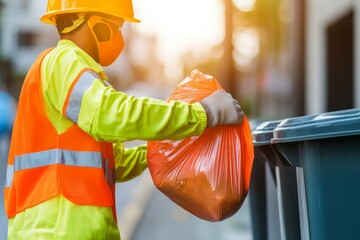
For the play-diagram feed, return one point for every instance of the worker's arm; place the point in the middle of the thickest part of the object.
(75, 93)
(129, 162)
(109, 115)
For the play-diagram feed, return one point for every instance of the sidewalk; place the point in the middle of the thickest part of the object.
(132, 199)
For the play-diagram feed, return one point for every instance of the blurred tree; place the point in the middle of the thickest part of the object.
(228, 71)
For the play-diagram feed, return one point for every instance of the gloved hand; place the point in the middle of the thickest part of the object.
(222, 109)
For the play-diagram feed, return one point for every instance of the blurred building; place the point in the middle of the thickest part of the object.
(332, 55)
(23, 36)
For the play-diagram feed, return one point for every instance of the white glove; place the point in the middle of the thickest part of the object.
(222, 109)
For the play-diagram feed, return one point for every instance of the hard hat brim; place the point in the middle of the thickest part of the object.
(49, 17)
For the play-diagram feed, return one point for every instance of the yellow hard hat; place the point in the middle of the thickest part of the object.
(117, 8)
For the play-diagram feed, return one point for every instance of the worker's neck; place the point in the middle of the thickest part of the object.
(83, 39)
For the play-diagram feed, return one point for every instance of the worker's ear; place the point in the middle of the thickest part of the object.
(101, 30)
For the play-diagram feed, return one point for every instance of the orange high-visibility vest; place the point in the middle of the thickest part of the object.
(43, 164)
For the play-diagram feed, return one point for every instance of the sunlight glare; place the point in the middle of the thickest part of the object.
(247, 45)
(244, 5)
(181, 26)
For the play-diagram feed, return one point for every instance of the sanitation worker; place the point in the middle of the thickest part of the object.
(67, 149)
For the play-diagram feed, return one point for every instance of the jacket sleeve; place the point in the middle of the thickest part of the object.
(75, 92)
(129, 162)
(110, 115)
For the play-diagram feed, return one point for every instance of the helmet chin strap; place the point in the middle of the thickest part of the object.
(76, 23)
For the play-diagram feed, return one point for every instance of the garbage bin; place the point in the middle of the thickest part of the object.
(279, 185)
(325, 149)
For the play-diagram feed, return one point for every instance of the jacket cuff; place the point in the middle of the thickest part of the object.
(200, 111)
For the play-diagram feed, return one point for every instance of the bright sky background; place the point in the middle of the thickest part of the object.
(194, 26)
(181, 26)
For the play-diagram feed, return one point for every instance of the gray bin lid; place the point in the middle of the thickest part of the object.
(264, 133)
(319, 126)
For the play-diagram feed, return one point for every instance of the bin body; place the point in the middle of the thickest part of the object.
(280, 202)
(258, 200)
(257, 194)
(327, 149)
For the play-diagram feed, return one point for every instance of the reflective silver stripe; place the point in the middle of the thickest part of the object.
(58, 156)
(9, 175)
(84, 82)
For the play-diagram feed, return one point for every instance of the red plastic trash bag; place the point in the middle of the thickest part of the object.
(207, 175)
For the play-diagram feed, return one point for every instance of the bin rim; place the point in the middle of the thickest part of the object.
(318, 126)
(263, 133)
